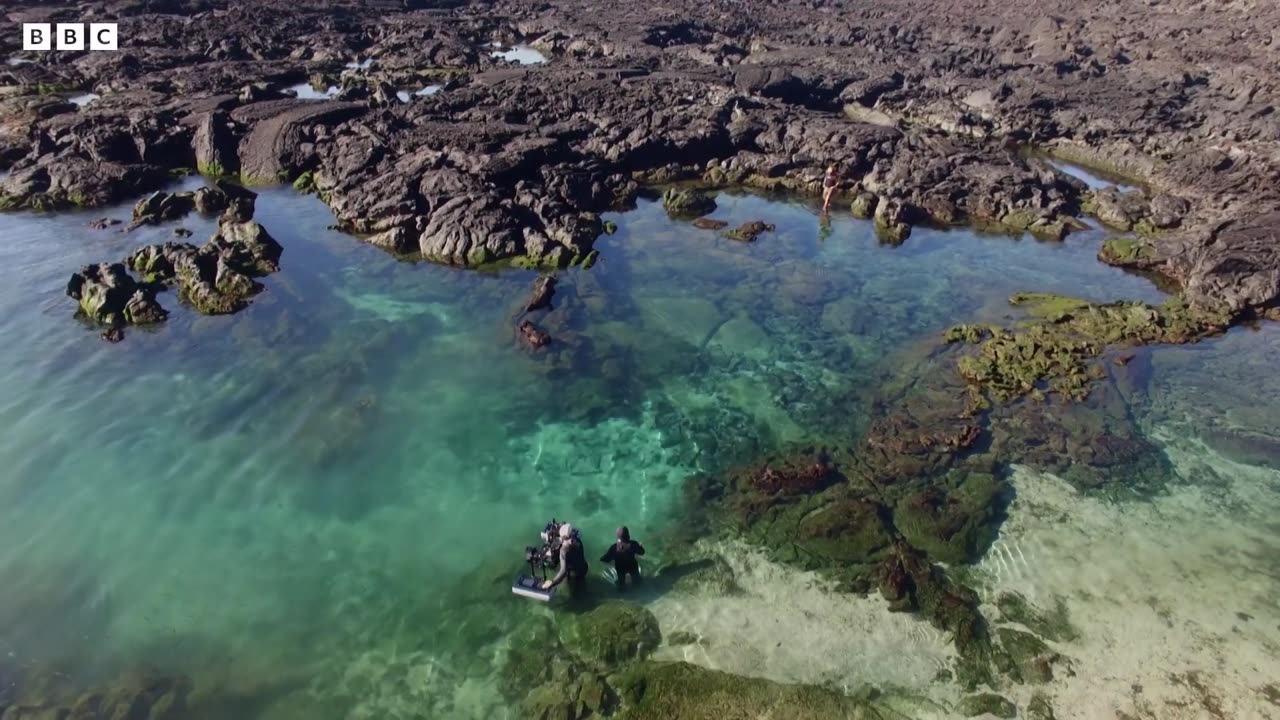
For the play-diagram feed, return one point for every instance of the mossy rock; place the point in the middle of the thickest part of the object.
(1054, 625)
(305, 183)
(613, 633)
(610, 227)
(969, 333)
(1025, 657)
(687, 202)
(1039, 708)
(953, 520)
(658, 691)
(863, 205)
(585, 696)
(987, 704)
(1125, 251)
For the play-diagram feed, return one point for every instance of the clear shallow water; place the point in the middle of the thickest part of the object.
(304, 91)
(407, 95)
(317, 504)
(84, 98)
(1090, 178)
(522, 54)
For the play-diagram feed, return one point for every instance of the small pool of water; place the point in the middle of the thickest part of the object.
(18, 61)
(83, 98)
(314, 507)
(358, 65)
(1090, 177)
(305, 91)
(522, 54)
(408, 95)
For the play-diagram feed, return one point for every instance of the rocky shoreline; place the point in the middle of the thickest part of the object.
(936, 115)
(926, 115)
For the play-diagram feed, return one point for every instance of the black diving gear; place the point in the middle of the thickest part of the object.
(623, 555)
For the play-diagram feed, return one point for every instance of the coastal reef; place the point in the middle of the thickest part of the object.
(933, 114)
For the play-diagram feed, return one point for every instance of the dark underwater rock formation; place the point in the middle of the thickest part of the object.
(214, 279)
(748, 231)
(687, 202)
(543, 289)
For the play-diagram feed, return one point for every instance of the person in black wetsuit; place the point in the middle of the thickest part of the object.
(623, 556)
(573, 561)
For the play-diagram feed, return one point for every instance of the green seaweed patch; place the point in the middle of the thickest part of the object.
(1125, 251)
(987, 704)
(305, 183)
(613, 633)
(680, 690)
(1052, 624)
(1024, 657)
(968, 333)
(610, 227)
(211, 169)
(1053, 352)
(953, 520)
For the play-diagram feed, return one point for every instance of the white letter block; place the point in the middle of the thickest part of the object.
(37, 36)
(70, 36)
(104, 36)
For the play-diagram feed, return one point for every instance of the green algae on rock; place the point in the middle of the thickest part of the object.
(987, 704)
(1053, 352)
(1024, 657)
(953, 520)
(658, 690)
(687, 202)
(1054, 624)
(615, 632)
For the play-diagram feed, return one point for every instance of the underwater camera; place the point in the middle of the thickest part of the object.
(540, 559)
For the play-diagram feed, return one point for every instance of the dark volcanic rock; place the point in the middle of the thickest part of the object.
(687, 202)
(748, 231)
(107, 294)
(543, 288)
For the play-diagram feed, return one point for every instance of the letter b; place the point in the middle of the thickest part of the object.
(104, 36)
(70, 36)
(37, 36)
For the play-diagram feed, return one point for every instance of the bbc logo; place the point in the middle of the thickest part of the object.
(69, 36)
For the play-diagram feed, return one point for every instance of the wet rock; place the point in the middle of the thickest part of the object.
(1025, 657)
(1054, 625)
(214, 144)
(107, 294)
(890, 225)
(543, 289)
(613, 633)
(103, 223)
(161, 206)
(113, 335)
(748, 231)
(1039, 708)
(864, 205)
(181, 233)
(953, 520)
(987, 704)
(533, 336)
(687, 202)
(704, 223)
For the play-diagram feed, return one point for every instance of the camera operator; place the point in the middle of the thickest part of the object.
(573, 561)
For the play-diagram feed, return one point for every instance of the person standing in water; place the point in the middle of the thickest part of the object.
(623, 555)
(829, 185)
(573, 561)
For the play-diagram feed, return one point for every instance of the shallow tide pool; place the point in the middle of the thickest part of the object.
(315, 507)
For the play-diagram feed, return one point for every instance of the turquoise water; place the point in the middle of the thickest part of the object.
(314, 507)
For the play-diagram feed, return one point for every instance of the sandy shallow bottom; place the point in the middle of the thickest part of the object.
(1175, 600)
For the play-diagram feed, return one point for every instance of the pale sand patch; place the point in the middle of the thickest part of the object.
(1175, 600)
(791, 626)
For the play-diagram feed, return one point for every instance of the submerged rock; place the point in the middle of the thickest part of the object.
(613, 633)
(108, 295)
(687, 202)
(748, 231)
(533, 336)
(987, 704)
(543, 289)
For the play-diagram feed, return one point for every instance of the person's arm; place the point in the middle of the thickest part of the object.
(639, 548)
(608, 554)
(564, 567)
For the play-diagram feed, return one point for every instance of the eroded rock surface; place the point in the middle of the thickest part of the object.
(925, 106)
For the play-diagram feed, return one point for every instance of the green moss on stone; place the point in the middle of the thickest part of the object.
(1125, 251)
(1053, 624)
(972, 334)
(987, 704)
(1024, 657)
(610, 227)
(305, 183)
(211, 169)
(1039, 708)
(613, 633)
(590, 259)
(652, 690)
(953, 520)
